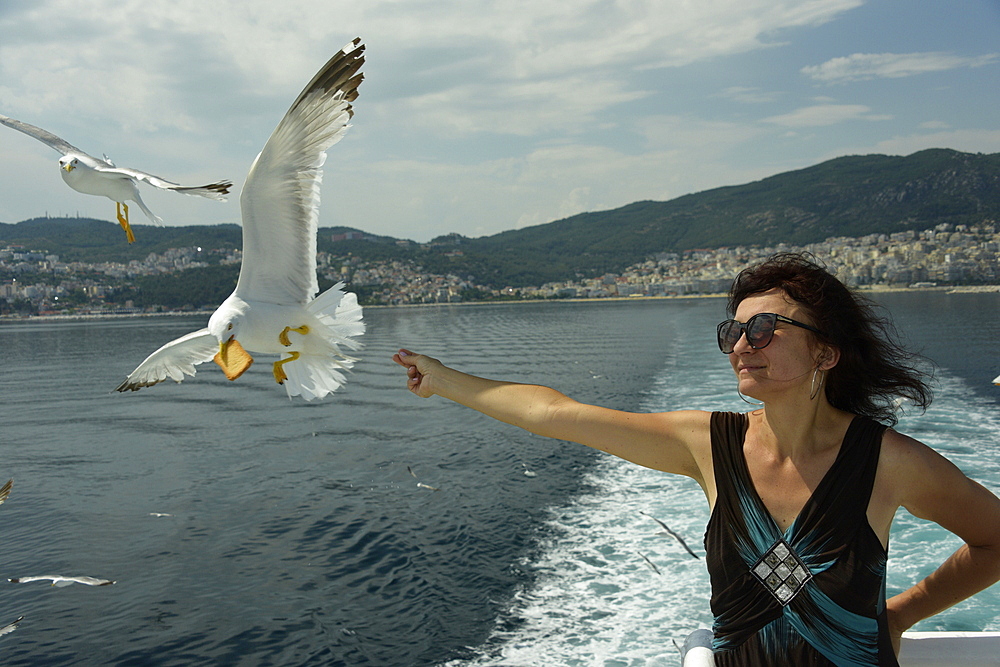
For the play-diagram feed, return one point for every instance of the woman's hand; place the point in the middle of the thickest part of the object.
(419, 371)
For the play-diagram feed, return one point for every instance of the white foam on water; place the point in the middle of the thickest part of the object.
(596, 600)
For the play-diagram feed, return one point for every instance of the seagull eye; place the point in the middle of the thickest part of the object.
(229, 327)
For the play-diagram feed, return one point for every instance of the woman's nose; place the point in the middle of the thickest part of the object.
(742, 344)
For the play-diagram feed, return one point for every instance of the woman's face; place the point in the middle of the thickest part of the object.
(787, 363)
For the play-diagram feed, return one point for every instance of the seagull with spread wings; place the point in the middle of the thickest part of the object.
(59, 581)
(274, 309)
(92, 176)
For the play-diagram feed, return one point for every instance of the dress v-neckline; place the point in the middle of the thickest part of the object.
(824, 481)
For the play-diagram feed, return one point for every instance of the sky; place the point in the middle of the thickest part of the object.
(478, 117)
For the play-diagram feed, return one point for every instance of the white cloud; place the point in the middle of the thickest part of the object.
(474, 116)
(149, 54)
(525, 108)
(821, 115)
(969, 141)
(748, 95)
(864, 66)
(712, 138)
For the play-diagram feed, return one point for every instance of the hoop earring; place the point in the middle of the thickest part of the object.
(814, 388)
(756, 404)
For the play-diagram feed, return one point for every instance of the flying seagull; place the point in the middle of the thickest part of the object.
(93, 176)
(60, 581)
(274, 309)
(421, 485)
(672, 533)
(10, 627)
(650, 563)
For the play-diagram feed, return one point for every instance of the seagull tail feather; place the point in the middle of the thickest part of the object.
(313, 376)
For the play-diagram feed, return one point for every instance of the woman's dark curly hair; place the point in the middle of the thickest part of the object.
(874, 368)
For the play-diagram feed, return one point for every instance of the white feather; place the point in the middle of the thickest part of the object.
(277, 284)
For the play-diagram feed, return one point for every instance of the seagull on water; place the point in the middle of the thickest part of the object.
(92, 176)
(60, 581)
(274, 309)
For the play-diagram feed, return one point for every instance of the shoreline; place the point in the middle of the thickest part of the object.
(869, 289)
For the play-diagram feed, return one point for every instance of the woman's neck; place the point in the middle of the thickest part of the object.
(796, 429)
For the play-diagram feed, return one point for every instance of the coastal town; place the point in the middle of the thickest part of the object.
(943, 257)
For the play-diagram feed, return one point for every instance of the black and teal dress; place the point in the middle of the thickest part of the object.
(813, 594)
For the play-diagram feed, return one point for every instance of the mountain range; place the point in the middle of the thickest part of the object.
(846, 196)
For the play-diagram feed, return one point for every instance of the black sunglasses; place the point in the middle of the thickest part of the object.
(759, 330)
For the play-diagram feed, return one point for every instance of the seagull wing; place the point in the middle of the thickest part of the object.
(59, 581)
(650, 563)
(671, 533)
(44, 136)
(89, 581)
(217, 191)
(174, 360)
(280, 199)
(10, 627)
(5, 490)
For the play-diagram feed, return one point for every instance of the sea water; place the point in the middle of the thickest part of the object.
(376, 528)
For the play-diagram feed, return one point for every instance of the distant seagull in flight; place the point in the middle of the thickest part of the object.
(421, 485)
(92, 176)
(60, 581)
(672, 534)
(274, 309)
(650, 563)
(10, 627)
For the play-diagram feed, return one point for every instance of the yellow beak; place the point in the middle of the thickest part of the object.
(232, 358)
(68, 166)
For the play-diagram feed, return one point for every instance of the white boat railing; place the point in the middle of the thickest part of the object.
(918, 649)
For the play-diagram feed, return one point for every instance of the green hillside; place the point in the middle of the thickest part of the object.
(848, 196)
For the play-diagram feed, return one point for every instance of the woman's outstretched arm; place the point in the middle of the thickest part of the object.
(677, 442)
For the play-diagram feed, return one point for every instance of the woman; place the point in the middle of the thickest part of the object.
(802, 489)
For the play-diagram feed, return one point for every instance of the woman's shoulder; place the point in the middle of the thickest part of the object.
(912, 465)
(902, 449)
